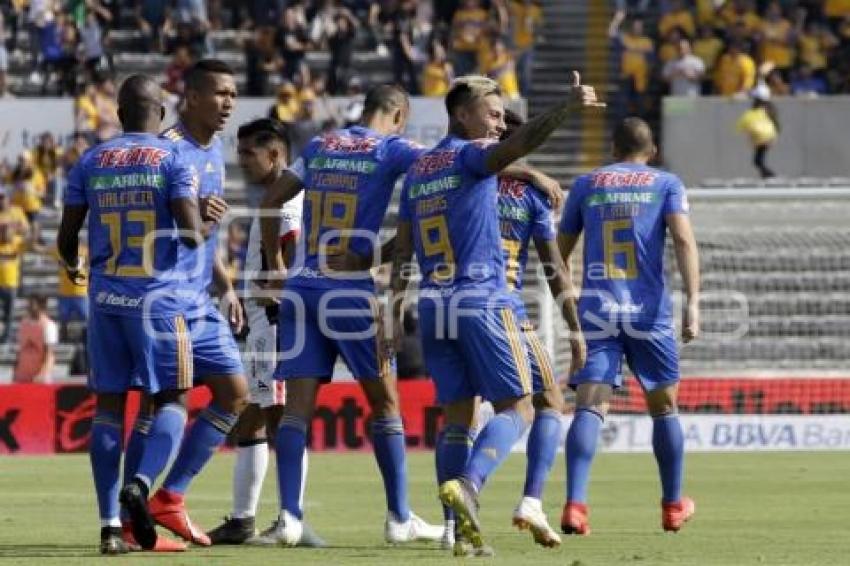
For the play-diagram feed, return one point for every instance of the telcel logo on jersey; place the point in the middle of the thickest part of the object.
(621, 308)
(113, 300)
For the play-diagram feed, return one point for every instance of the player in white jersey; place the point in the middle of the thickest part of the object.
(263, 148)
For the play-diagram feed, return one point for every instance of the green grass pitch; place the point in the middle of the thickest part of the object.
(768, 508)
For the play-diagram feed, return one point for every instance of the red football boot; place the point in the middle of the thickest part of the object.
(169, 510)
(675, 515)
(574, 520)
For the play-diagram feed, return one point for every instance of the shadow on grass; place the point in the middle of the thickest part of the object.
(47, 550)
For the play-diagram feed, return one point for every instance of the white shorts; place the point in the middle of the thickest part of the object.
(260, 360)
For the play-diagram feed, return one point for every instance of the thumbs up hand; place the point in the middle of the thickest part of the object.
(582, 96)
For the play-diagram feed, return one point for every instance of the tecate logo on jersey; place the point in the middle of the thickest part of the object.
(113, 300)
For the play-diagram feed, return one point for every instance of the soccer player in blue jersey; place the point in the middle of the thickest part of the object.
(132, 187)
(470, 336)
(525, 215)
(348, 177)
(625, 211)
(215, 360)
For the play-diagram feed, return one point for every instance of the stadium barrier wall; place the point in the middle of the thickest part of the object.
(700, 140)
(718, 415)
(26, 119)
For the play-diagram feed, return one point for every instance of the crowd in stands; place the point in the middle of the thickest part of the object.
(426, 43)
(730, 47)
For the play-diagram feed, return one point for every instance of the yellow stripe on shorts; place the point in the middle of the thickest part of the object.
(384, 362)
(541, 357)
(518, 350)
(184, 355)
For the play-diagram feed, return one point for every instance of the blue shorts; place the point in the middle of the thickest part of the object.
(650, 351)
(476, 352)
(542, 374)
(214, 350)
(125, 353)
(315, 326)
(159, 354)
(73, 308)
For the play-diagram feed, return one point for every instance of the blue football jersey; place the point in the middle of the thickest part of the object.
(524, 213)
(348, 176)
(451, 200)
(128, 184)
(206, 164)
(621, 209)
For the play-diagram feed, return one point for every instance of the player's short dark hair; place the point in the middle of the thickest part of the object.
(633, 136)
(197, 75)
(264, 131)
(465, 90)
(513, 121)
(385, 98)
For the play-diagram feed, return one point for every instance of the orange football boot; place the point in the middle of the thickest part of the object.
(169, 510)
(675, 515)
(574, 520)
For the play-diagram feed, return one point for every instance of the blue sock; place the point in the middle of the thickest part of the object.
(668, 443)
(493, 445)
(162, 442)
(136, 446)
(454, 445)
(134, 450)
(581, 447)
(543, 441)
(105, 449)
(203, 439)
(388, 442)
(290, 444)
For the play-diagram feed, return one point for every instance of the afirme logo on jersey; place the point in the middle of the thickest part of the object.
(113, 300)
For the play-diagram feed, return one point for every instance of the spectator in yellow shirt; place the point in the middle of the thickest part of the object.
(28, 190)
(47, 158)
(73, 297)
(502, 69)
(761, 124)
(815, 44)
(776, 36)
(468, 32)
(740, 13)
(669, 49)
(708, 47)
(836, 9)
(437, 74)
(735, 73)
(706, 12)
(677, 17)
(286, 106)
(106, 103)
(85, 113)
(637, 49)
(526, 16)
(14, 230)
